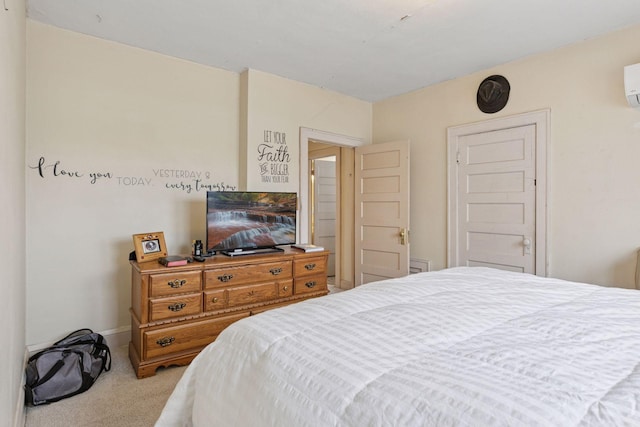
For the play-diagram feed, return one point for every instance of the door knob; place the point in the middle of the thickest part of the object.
(527, 245)
(404, 236)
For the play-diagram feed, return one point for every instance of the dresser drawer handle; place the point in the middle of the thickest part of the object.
(215, 299)
(276, 271)
(177, 306)
(225, 277)
(165, 341)
(177, 283)
(285, 288)
(310, 266)
(251, 293)
(310, 284)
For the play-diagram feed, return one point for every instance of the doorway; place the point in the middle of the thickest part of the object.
(324, 206)
(343, 147)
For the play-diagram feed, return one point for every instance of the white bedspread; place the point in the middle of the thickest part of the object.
(464, 347)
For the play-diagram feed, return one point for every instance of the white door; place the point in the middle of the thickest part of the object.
(494, 187)
(382, 211)
(324, 208)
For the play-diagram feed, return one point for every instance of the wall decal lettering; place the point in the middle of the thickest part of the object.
(186, 180)
(54, 169)
(274, 158)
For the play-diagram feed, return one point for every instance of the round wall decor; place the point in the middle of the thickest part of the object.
(493, 94)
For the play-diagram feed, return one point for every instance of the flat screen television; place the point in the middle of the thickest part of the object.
(244, 220)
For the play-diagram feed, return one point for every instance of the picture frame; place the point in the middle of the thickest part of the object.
(149, 246)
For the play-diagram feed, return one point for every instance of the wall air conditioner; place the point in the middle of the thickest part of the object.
(632, 84)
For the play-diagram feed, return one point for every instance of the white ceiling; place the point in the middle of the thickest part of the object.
(369, 49)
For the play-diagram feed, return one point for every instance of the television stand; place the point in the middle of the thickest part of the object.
(240, 252)
(177, 311)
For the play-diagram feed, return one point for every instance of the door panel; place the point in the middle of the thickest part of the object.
(496, 199)
(325, 210)
(382, 211)
(497, 193)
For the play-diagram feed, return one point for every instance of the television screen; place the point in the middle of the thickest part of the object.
(243, 220)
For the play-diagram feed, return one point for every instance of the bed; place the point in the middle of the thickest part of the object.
(460, 347)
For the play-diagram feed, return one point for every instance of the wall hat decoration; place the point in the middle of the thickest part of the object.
(493, 94)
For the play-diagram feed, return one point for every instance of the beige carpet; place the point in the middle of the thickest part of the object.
(118, 398)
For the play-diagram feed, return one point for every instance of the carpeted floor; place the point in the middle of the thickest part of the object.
(118, 398)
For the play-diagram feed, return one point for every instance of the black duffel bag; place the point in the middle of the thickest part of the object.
(68, 367)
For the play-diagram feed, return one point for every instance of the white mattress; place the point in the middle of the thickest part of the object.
(464, 346)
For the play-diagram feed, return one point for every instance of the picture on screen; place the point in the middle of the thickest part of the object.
(242, 220)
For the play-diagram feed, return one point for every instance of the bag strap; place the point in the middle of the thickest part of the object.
(43, 351)
(76, 343)
(80, 339)
(79, 332)
(54, 369)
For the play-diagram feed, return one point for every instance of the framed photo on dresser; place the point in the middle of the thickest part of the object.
(149, 246)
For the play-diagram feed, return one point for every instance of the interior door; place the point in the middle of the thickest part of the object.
(496, 199)
(382, 211)
(325, 208)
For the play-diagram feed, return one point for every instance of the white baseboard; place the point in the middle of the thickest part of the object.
(419, 265)
(20, 415)
(115, 338)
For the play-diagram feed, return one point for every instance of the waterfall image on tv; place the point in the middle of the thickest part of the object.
(243, 220)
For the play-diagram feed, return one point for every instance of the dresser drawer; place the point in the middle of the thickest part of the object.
(308, 266)
(285, 288)
(215, 300)
(174, 283)
(192, 336)
(263, 272)
(178, 306)
(305, 285)
(252, 294)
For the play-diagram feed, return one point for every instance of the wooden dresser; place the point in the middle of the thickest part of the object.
(177, 311)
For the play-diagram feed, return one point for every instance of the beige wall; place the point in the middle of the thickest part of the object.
(594, 199)
(281, 105)
(153, 125)
(12, 199)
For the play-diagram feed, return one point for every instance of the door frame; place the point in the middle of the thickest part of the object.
(541, 120)
(307, 135)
